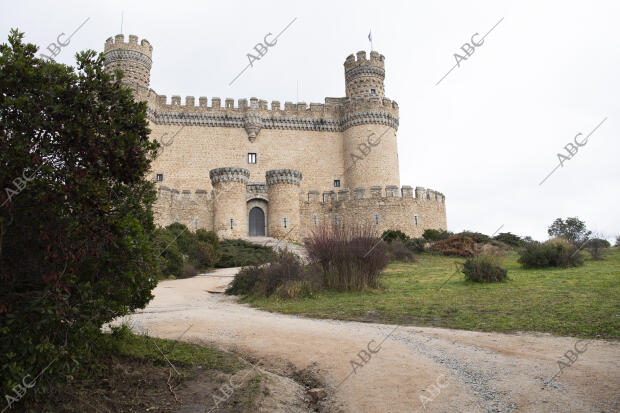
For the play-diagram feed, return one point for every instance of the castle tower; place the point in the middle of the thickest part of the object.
(363, 77)
(283, 193)
(371, 120)
(132, 58)
(229, 201)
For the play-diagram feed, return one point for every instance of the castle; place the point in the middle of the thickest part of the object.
(251, 170)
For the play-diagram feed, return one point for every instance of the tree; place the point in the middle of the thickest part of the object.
(76, 221)
(618, 241)
(573, 229)
(509, 238)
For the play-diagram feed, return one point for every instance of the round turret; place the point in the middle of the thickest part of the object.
(363, 77)
(283, 193)
(133, 59)
(229, 201)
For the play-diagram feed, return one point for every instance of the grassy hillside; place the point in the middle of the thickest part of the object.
(582, 302)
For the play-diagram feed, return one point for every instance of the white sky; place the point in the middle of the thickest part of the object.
(485, 136)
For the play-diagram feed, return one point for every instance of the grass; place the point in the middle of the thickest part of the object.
(132, 375)
(580, 302)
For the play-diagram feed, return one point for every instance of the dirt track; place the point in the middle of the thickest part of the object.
(470, 371)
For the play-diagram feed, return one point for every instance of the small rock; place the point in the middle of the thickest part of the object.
(317, 394)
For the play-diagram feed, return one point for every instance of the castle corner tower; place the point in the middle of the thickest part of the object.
(133, 59)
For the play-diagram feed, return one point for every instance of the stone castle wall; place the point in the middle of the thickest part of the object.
(205, 179)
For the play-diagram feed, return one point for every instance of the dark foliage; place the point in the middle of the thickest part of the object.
(596, 246)
(416, 244)
(435, 235)
(554, 253)
(510, 239)
(390, 235)
(484, 268)
(241, 253)
(76, 223)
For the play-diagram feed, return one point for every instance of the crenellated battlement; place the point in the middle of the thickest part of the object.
(118, 42)
(283, 176)
(229, 174)
(390, 192)
(353, 62)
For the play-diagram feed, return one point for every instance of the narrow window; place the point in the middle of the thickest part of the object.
(337, 183)
(315, 219)
(160, 177)
(373, 91)
(415, 220)
(231, 223)
(336, 219)
(251, 157)
(284, 222)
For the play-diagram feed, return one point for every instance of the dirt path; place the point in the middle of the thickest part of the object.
(410, 369)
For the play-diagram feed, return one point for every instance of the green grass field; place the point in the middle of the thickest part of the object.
(580, 302)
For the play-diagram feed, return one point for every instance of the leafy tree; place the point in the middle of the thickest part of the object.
(76, 222)
(573, 229)
(509, 239)
(595, 247)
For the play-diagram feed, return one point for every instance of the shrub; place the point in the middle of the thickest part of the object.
(351, 257)
(245, 280)
(390, 235)
(509, 239)
(618, 241)
(203, 254)
(557, 252)
(478, 237)
(285, 275)
(172, 258)
(416, 244)
(484, 268)
(397, 251)
(183, 237)
(595, 247)
(241, 253)
(455, 245)
(435, 235)
(188, 271)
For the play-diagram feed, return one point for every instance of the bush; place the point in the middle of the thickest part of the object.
(188, 271)
(509, 239)
(416, 244)
(455, 245)
(390, 235)
(478, 237)
(618, 241)
(484, 268)
(285, 276)
(435, 235)
(172, 258)
(203, 254)
(557, 252)
(397, 251)
(595, 247)
(241, 253)
(351, 257)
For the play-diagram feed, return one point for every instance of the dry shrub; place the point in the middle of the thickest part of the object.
(351, 257)
(484, 268)
(460, 245)
(398, 251)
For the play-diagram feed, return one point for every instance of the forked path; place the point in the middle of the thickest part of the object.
(414, 369)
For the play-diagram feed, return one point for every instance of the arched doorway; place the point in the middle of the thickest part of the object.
(257, 222)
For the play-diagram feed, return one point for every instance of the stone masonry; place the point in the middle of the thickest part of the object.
(301, 165)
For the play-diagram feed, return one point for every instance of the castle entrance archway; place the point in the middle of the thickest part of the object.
(257, 222)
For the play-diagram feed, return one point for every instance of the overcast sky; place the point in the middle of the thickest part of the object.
(485, 136)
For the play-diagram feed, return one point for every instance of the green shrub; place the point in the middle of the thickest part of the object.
(557, 252)
(484, 268)
(435, 235)
(397, 251)
(183, 237)
(477, 237)
(188, 271)
(204, 255)
(172, 258)
(245, 280)
(416, 244)
(390, 235)
(509, 239)
(241, 253)
(595, 247)
(618, 241)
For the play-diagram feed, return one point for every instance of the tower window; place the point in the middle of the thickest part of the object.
(315, 219)
(415, 220)
(337, 183)
(232, 221)
(251, 157)
(160, 177)
(373, 91)
(376, 218)
(284, 222)
(336, 219)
